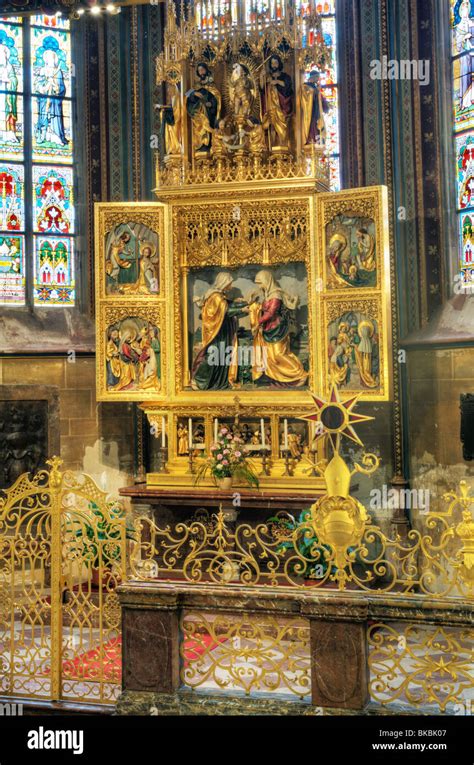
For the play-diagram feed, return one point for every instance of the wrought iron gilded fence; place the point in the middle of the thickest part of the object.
(65, 546)
(335, 543)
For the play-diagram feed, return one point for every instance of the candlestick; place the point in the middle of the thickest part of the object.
(163, 432)
(190, 434)
(285, 426)
(215, 429)
(262, 429)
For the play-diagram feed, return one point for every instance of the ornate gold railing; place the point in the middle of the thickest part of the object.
(64, 547)
(335, 543)
(62, 553)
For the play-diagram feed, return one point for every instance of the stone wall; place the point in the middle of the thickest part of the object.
(436, 379)
(96, 438)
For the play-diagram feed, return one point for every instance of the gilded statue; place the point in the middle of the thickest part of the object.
(172, 124)
(277, 102)
(242, 93)
(270, 323)
(314, 107)
(203, 104)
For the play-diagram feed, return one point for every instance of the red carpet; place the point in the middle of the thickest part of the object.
(87, 666)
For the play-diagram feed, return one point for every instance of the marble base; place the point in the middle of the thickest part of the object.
(191, 703)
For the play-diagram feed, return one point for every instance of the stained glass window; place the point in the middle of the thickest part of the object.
(36, 157)
(462, 37)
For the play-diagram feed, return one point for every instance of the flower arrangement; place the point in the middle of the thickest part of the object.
(228, 460)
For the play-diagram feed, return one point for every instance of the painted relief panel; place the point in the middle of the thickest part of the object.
(248, 327)
(130, 250)
(132, 255)
(355, 323)
(351, 251)
(131, 352)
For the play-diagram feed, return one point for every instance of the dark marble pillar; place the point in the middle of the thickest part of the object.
(339, 668)
(151, 647)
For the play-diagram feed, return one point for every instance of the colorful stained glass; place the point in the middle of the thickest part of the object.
(51, 84)
(12, 270)
(465, 170)
(12, 213)
(11, 84)
(56, 21)
(462, 23)
(466, 238)
(51, 124)
(53, 211)
(50, 194)
(54, 275)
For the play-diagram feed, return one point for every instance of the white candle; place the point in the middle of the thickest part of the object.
(190, 433)
(285, 425)
(262, 428)
(163, 432)
(215, 429)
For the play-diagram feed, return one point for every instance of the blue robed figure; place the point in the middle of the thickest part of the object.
(50, 87)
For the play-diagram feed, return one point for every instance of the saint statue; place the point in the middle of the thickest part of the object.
(314, 107)
(363, 354)
(277, 102)
(203, 104)
(270, 324)
(147, 281)
(172, 124)
(219, 331)
(242, 93)
(121, 265)
(365, 250)
(183, 439)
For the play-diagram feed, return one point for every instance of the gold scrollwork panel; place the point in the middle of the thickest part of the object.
(62, 553)
(420, 665)
(246, 652)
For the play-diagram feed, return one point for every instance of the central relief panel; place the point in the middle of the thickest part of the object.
(244, 306)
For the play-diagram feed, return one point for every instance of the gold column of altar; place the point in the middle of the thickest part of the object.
(248, 284)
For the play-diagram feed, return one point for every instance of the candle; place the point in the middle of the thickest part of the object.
(262, 428)
(163, 432)
(285, 425)
(215, 429)
(190, 433)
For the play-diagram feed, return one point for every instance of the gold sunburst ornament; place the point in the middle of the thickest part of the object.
(336, 418)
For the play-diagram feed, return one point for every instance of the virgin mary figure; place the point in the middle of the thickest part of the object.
(215, 366)
(270, 323)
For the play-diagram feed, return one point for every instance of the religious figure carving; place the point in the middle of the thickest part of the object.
(277, 102)
(314, 107)
(133, 354)
(203, 104)
(270, 323)
(172, 124)
(220, 317)
(182, 433)
(242, 93)
(147, 270)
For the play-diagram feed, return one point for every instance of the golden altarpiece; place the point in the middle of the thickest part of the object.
(248, 285)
